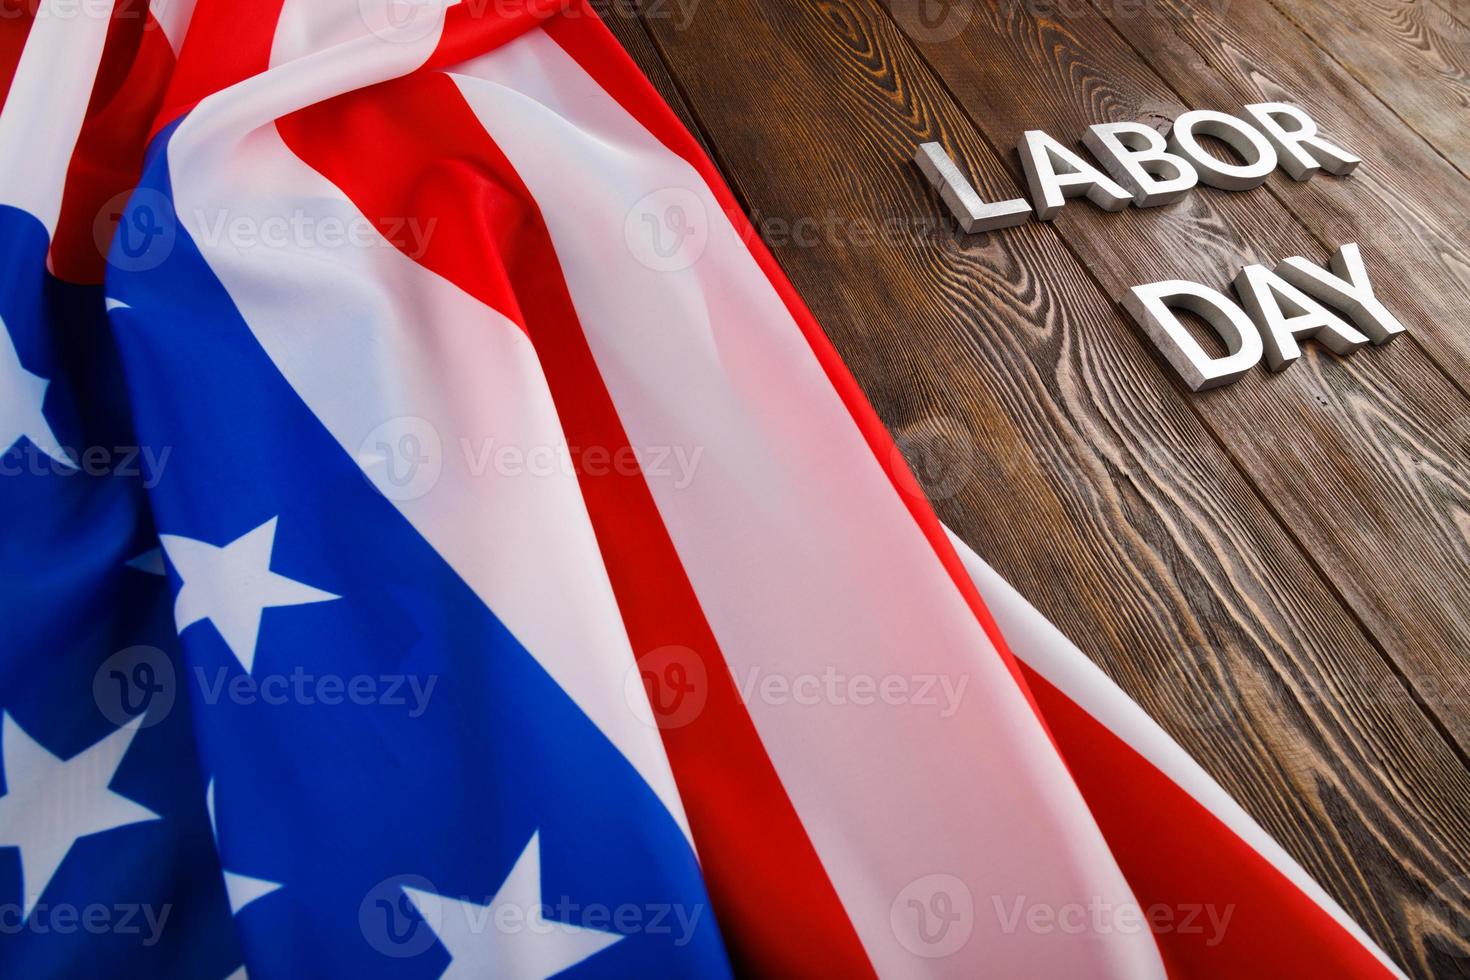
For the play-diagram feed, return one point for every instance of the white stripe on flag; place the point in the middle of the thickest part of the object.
(173, 18)
(802, 554)
(47, 104)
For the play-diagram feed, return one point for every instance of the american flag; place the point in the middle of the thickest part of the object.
(440, 542)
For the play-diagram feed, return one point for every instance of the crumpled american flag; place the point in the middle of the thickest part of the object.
(439, 542)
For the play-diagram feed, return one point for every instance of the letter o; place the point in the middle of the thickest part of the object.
(1242, 137)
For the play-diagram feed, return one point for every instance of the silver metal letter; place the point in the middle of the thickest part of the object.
(1260, 155)
(1138, 158)
(1153, 305)
(1346, 289)
(973, 213)
(1301, 150)
(1041, 156)
(1283, 313)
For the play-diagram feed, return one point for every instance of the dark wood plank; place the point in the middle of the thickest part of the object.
(1406, 206)
(1414, 56)
(1365, 458)
(1049, 439)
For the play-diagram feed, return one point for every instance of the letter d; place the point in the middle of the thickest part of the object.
(1153, 306)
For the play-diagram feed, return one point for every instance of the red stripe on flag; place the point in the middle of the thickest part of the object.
(136, 65)
(412, 147)
(227, 42)
(1181, 860)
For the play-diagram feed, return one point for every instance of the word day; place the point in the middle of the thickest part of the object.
(1279, 307)
(1297, 300)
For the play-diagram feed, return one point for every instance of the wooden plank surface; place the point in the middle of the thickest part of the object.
(1180, 540)
(1412, 54)
(1361, 457)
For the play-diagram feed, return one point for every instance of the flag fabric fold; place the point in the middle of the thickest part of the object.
(508, 578)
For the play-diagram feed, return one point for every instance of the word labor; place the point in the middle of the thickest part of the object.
(1144, 168)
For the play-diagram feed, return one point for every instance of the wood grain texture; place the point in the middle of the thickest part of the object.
(1053, 443)
(1366, 459)
(1454, 9)
(1412, 54)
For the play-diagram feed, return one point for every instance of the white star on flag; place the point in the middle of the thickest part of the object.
(240, 889)
(22, 395)
(480, 946)
(49, 804)
(231, 586)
